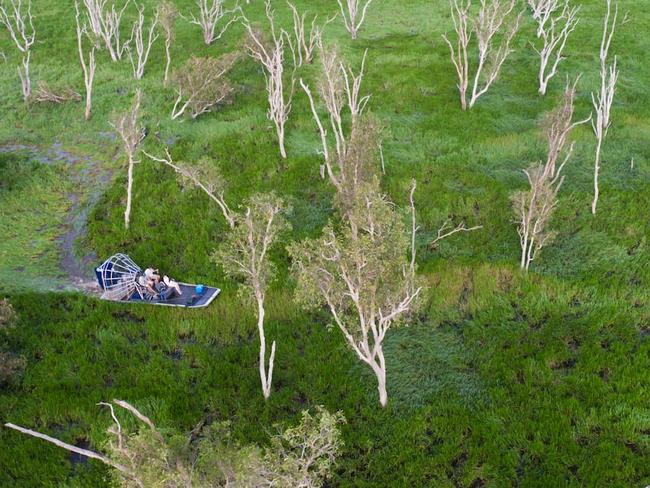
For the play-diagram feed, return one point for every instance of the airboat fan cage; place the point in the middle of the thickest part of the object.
(118, 277)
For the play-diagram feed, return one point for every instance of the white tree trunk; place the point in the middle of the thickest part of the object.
(594, 203)
(168, 63)
(265, 378)
(89, 79)
(25, 80)
(380, 372)
(129, 189)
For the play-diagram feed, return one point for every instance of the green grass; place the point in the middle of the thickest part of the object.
(33, 216)
(501, 380)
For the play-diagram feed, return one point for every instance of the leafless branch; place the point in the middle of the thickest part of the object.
(446, 230)
(484, 25)
(271, 57)
(87, 65)
(554, 37)
(45, 94)
(353, 13)
(215, 192)
(19, 22)
(142, 49)
(210, 15)
(603, 100)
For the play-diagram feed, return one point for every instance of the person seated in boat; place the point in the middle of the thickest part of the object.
(147, 280)
(164, 287)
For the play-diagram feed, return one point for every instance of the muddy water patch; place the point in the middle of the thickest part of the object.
(88, 179)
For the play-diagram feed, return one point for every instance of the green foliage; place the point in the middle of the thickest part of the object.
(303, 456)
(201, 83)
(368, 257)
(528, 381)
(11, 365)
(244, 252)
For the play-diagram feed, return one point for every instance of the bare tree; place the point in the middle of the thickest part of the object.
(534, 207)
(339, 88)
(602, 101)
(201, 84)
(105, 25)
(306, 41)
(128, 127)
(18, 20)
(142, 48)
(244, 254)
(554, 37)
(542, 11)
(210, 15)
(484, 25)
(353, 13)
(365, 278)
(271, 57)
(46, 94)
(87, 65)
(204, 176)
(167, 15)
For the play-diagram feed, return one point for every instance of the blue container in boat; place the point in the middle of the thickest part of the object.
(199, 289)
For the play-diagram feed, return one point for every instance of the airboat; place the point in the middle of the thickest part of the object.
(122, 281)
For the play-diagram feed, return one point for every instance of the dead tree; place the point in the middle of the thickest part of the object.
(167, 15)
(142, 48)
(105, 25)
(17, 18)
(364, 277)
(554, 37)
(542, 11)
(339, 88)
(87, 65)
(204, 176)
(45, 94)
(244, 255)
(125, 455)
(484, 25)
(201, 84)
(353, 13)
(128, 127)
(306, 41)
(446, 230)
(271, 57)
(210, 15)
(534, 207)
(602, 101)
(349, 154)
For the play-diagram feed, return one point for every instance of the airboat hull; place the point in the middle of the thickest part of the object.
(120, 278)
(189, 298)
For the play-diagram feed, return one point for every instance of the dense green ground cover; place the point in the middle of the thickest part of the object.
(501, 380)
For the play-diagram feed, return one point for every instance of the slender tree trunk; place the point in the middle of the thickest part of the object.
(266, 380)
(169, 62)
(23, 73)
(380, 372)
(89, 102)
(524, 253)
(283, 151)
(596, 173)
(129, 187)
